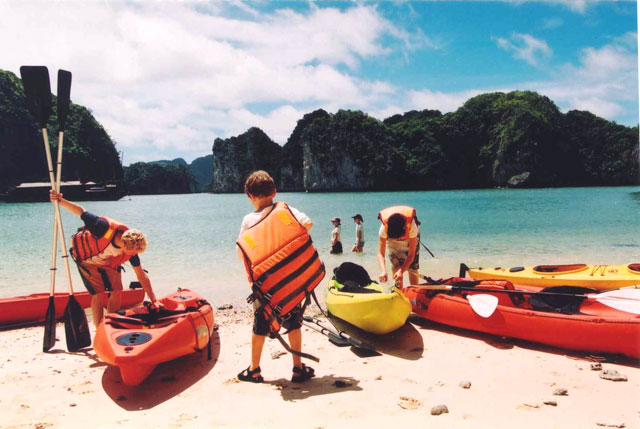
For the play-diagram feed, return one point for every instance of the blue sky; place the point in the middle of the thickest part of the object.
(167, 78)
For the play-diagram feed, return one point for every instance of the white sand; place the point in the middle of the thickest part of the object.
(423, 363)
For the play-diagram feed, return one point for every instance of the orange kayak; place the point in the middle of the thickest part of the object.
(32, 308)
(592, 326)
(138, 339)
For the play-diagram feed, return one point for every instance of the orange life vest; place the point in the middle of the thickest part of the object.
(84, 245)
(281, 262)
(408, 213)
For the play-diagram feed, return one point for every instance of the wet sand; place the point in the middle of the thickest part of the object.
(484, 381)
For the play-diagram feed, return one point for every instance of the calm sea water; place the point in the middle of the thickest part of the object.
(192, 237)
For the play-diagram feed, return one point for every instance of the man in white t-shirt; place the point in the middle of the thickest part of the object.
(404, 253)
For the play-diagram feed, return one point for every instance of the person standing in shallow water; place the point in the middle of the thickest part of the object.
(336, 243)
(358, 247)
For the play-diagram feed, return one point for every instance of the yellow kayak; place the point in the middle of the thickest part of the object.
(376, 312)
(591, 276)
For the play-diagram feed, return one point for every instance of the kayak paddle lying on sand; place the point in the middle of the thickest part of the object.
(339, 334)
(591, 276)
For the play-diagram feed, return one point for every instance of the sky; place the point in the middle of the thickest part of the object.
(166, 78)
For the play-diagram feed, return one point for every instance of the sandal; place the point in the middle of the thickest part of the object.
(303, 373)
(248, 375)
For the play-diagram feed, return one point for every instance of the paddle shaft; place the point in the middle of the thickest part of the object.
(341, 334)
(454, 288)
(55, 186)
(54, 241)
(427, 249)
(331, 335)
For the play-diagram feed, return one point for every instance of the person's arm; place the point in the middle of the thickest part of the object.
(334, 236)
(382, 248)
(143, 278)
(74, 208)
(302, 218)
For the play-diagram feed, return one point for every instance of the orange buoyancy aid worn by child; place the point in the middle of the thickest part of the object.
(85, 245)
(282, 265)
(409, 214)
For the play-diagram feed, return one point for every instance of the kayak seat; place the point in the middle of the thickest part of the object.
(353, 287)
(634, 267)
(562, 303)
(558, 268)
(348, 271)
(511, 299)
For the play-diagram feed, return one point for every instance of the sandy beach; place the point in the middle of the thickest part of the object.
(484, 381)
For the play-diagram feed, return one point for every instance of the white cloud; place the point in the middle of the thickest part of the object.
(604, 82)
(605, 79)
(526, 47)
(436, 100)
(578, 6)
(553, 22)
(168, 75)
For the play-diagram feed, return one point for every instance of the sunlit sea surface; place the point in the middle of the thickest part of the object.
(192, 237)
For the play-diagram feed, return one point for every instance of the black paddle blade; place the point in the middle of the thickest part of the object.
(76, 327)
(49, 326)
(64, 94)
(37, 90)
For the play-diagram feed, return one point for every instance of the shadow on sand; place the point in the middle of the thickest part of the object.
(404, 343)
(166, 381)
(505, 343)
(327, 384)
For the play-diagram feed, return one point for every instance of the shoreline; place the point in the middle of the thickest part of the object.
(422, 365)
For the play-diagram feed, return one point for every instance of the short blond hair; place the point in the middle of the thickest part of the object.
(134, 239)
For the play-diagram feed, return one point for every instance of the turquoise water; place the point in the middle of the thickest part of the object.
(192, 237)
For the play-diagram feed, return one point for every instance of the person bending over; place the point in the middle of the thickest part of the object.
(99, 249)
(399, 234)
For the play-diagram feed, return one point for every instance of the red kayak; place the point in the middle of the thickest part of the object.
(137, 340)
(592, 326)
(32, 308)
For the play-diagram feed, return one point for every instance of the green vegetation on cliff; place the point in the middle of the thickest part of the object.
(517, 139)
(159, 178)
(89, 153)
(236, 157)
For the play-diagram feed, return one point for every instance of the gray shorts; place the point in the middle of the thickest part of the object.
(397, 260)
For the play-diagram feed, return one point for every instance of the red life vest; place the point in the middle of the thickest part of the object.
(408, 213)
(281, 262)
(84, 245)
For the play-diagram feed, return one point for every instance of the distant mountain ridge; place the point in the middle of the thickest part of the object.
(516, 139)
(200, 168)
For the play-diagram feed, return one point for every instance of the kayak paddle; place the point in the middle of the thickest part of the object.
(37, 90)
(75, 319)
(340, 334)
(333, 338)
(427, 249)
(484, 305)
(627, 300)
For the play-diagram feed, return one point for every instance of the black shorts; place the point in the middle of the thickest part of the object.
(293, 321)
(336, 248)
